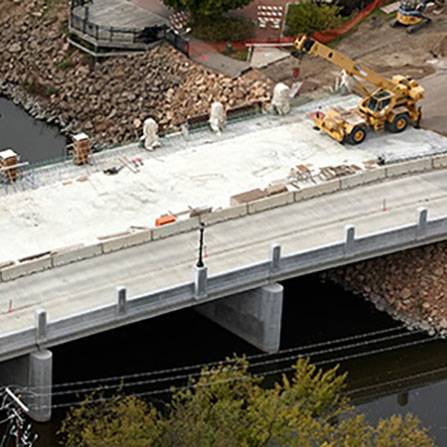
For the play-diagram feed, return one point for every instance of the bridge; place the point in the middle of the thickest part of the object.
(249, 252)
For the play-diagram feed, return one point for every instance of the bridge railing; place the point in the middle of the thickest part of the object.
(351, 249)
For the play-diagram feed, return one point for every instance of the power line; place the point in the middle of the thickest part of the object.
(264, 374)
(215, 363)
(251, 366)
(398, 380)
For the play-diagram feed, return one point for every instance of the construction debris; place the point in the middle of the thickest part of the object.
(9, 162)
(81, 148)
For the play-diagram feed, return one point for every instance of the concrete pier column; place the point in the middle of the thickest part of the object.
(350, 239)
(200, 282)
(33, 374)
(255, 316)
(422, 222)
(40, 381)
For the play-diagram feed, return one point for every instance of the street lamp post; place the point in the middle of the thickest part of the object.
(200, 260)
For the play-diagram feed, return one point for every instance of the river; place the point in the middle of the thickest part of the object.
(313, 312)
(34, 140)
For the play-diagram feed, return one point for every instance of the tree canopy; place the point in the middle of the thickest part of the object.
(227, 406)
(206, 8)
(308, 17)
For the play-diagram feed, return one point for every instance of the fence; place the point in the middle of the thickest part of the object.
(177, 41)
(79, 21)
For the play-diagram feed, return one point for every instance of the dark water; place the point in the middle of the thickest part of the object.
(313, 312)
(33, 140)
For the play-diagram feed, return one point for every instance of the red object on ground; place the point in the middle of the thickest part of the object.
(164, 220)
(296, 72)
(316, 114)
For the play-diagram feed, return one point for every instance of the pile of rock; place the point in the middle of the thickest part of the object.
(39, 70)
(411, 285)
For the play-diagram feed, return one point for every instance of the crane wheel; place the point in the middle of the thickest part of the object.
(399, 123)
(357, 135)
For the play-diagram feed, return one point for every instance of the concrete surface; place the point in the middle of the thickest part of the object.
(255, 316)
(263, 56)
(204, 170)
(434, 105)
(88, 285)
(120, 14)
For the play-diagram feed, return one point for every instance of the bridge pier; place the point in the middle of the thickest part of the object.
(255, 315)
(34, 372)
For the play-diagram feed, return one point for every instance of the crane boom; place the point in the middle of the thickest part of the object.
(308, 45)
(392, 106)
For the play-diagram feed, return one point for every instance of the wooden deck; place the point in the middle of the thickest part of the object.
(119, 14)
(116, 24)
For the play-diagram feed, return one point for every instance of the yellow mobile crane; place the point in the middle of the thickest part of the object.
(391, 106)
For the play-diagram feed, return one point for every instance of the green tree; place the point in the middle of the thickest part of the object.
(206, 8)
(229, 407)
(308, 17)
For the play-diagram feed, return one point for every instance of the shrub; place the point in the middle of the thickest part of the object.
(308, 17)
(218, 29)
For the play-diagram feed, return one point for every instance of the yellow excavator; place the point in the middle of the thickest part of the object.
(410, 15)
(392, 106)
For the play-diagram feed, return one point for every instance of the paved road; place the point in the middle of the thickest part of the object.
(89, 284)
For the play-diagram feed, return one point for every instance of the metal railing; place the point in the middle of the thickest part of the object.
(80, 21)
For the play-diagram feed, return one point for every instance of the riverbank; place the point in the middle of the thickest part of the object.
(411, 285)
(59, 84)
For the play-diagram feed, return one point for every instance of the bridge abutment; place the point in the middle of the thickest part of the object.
(34, 373)
(255, 315)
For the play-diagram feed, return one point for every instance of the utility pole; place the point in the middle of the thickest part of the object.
(17, 427)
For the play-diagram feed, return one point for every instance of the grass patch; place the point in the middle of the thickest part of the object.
(240, 55)
(66, 64)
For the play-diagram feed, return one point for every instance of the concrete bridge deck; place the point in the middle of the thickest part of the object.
(202, 170)
(82, 287)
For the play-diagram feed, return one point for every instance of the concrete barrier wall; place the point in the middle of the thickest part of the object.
(318, 190)
(77, 254)
(226, 214)
(26, 268)
(362, 178)
(15, 342)
(181, 226)
(379, 241)
(270, 202)
(310, 258)
(436, 227)
(439, 161)
(234, 279)
(126, 241)
(409, 167)
(160, 298)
